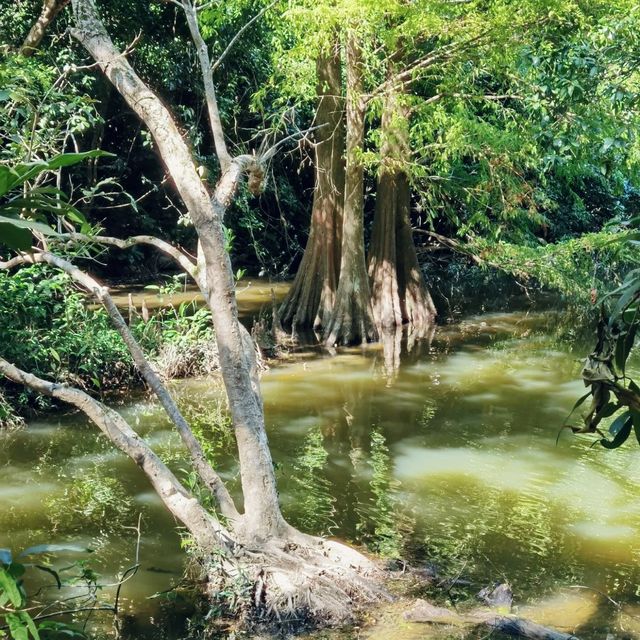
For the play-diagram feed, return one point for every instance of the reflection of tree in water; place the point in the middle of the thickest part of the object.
(503, 535)
(380, 524)
(403, 344)
(315, 498)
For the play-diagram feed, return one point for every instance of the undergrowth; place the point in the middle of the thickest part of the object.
(48, 328)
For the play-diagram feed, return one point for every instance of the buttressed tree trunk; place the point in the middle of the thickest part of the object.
(399, 292)
(50, 9)
(311, 298)
(351, 321)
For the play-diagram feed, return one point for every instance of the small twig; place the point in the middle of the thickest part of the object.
(238, 35)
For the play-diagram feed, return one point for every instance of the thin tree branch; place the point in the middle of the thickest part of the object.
(239, 34)
(210, 478)
(168, 249)
(215, 122)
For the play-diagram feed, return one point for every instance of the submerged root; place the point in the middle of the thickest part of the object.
(284, 583)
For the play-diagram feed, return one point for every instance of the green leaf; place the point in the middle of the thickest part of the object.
(635, 418)
(618, 423)
(16, 627)
(16, 570)
(28, 621)
(579, 402)
(7, 176)
(620, 438)
(624, 344)
(14, 238)
(10, 588)
(32, 225)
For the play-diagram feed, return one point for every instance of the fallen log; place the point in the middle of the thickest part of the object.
(422, 611)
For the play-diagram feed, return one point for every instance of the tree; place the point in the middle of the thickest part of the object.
(312, 295)
(399, 291)
(351, 320)
(289, 573)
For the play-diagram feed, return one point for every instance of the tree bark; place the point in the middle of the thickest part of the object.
(310, 301)
(50, 9)
(351, 320)
(399, 292)
(262, 518)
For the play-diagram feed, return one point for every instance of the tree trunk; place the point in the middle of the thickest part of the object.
(50, 9)
(351, 320)
(262, 518)
(312, 296)
(399, 292)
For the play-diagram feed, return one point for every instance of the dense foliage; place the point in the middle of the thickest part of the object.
(48, 327)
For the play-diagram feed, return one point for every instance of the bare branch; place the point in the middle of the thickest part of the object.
(239, 34)
(206, 530)
(215, 122)
(174, 253)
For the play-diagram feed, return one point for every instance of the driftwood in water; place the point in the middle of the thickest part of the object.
(511, 625)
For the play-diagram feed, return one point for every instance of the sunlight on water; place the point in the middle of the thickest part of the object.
(451, 460)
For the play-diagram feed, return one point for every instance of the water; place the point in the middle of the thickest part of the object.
(450, 460)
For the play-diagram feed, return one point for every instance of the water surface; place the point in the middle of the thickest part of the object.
(450, 460)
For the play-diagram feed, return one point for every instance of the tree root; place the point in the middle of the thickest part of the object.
(297, 584)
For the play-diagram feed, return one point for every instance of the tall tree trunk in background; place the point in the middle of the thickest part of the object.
(311, 298)
(351, 321)
(399, 292)
(50, 9)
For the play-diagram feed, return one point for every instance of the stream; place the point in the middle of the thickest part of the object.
(450, 462)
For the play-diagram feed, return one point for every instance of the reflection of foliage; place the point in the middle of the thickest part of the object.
(92, 497)
(501, 535)
(316, 502)
(210, 422)
(381, 513)
(428, 411)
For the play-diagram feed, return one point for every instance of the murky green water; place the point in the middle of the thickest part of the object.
(451, 460)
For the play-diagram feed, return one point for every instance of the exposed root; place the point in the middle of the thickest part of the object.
(320, 583)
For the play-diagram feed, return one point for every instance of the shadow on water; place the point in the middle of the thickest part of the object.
(437, 448)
